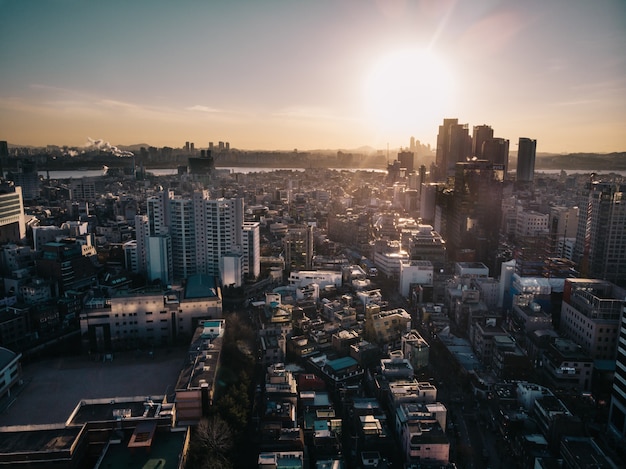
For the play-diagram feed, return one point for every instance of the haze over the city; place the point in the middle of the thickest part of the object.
(309, 75)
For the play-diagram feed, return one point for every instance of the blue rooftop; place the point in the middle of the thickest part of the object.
(342, 363)
(200, 286)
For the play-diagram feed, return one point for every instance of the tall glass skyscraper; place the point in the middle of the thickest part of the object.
(526, 153)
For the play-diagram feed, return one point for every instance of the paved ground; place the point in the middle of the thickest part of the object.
(52, 388)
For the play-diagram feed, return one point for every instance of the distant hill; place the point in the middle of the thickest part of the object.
(584, 161)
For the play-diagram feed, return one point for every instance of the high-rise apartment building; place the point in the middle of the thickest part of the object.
(601, 236)
(617, 410)
(453, 145)
(526, 152)
(251, 249)
(195, 235)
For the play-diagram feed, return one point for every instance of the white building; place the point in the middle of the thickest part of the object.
(414, 273)
(471, 269)
(149, 317)
(388, 263)
(531, 223)
(207, 236)
(323, 278)
(12, 220)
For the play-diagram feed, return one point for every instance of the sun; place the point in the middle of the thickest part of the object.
(408, 92)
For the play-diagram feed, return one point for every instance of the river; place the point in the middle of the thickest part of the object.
(77, 174)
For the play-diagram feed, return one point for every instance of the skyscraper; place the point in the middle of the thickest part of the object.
(526, 159)
(453, 145)
(480, 135)
(474, 211)
(601, 237)
(496, 150)
(407, 160)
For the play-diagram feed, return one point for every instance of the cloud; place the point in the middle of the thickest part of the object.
(200, 108)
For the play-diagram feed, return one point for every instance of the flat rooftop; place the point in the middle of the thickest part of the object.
(200, 286)
(164, 453)
(17, 440)
(54, 387)
(113, 408)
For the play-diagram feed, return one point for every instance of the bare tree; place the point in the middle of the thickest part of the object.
(215, 435)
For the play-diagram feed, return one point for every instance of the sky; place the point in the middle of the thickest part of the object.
(315, 74)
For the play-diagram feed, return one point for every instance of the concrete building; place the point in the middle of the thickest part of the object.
(566, 366)
(251, 241)
(389, 263)
(416, 350)
(197, 381)
(426, 244)
(531, 317)
(563, 226)
(203, 232)
(531, 223)
(414, 273)
(590, 316)
(387, 327)
(12, 221)
(150, 317)
(323, 278)
(601, 235)
(617, 412)
(298, 247)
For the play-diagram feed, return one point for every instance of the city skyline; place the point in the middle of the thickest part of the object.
(312, 75)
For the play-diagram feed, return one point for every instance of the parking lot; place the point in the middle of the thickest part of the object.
(53, 387)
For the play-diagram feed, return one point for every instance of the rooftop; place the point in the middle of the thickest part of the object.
(99, 410)
(48, 438)
(164, 453)
(200, 286)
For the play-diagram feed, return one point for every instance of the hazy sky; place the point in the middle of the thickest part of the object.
(270, 74)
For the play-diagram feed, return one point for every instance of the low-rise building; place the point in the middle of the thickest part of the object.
(565, 365)
(416, 350)
(150, 316)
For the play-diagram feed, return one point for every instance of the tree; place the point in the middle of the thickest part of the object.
(214, 434)
(211, 444)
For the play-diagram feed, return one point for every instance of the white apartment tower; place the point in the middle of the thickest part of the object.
(195, 234)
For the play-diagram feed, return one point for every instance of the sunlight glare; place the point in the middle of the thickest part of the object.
(408, 91)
